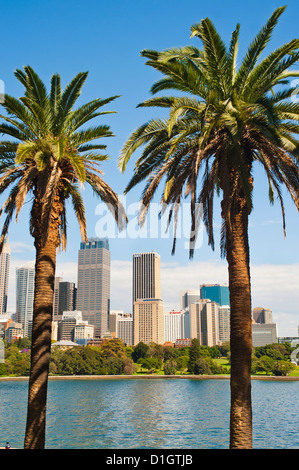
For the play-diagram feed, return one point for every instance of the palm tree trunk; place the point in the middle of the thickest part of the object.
(41, 344)
(241, 327)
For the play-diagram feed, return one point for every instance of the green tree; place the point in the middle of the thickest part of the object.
(224, 117)
(113, 348)
(262, 364)
(194, 354)
(182, 362)
(150, 363)
(170, 367)
(49, 157)
(201, 367)
(3, 369)
(282, 368)
(114, 365)
(141, 350)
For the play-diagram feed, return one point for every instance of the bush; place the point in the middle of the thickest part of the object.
(283, 368)
(151, 363)
(201, 367)
(170, 368)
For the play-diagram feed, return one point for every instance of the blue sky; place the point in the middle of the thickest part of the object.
(105, 38)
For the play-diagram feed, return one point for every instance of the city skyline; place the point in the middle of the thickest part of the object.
(121, 282)
(274, 259)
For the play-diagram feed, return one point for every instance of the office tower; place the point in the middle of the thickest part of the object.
(204, 322)
(216, 293)
(189, 297)
(148, 321)
(66, 326)
(224, 323)
(173, 326)
(93, 286)
(83, 333)
(264, 331)
(263, 334)
(57, 281)
(146, 276)
(4, 275)
(262, 315)
(67, 297)
(25, 295)
(121, 326)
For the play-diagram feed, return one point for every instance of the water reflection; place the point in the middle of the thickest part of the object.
(142, 414)
(147, 413)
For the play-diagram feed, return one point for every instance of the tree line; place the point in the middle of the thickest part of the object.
(113, 357)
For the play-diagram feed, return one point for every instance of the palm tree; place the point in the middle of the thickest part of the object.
(222, 120)
(49, 157)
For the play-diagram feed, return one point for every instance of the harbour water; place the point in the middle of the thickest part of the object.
(150, 414)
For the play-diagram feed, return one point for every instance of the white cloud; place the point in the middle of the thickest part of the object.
(20, 247)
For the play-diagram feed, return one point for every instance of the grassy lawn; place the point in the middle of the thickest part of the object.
(223, 362)
(295, 372)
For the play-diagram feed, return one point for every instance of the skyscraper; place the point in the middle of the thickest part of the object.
(25, 295)
(216, 293)
(148, 321)
(146, 276)
(57, 282)
(262, 315)
(67, 297)
(4, 275)
(188, 297)
(93, 286)
(173, 326)
(204, 322)
(147, 303)
(224, 323)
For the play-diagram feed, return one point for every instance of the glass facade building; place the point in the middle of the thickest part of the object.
(25, 296)
(4, 275)
(216, 293)
(93, 283)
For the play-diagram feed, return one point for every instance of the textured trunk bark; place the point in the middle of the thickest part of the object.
(241, 327)
(41, 345)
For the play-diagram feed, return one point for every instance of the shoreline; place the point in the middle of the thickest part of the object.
(152, 376)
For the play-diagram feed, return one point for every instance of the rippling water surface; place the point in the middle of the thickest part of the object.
(145, 413)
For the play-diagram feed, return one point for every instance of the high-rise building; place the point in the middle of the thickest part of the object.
(147, 304)
(146, 276)
(25, 295)
(216, 293)
(188, 297)
(57, 282)
(264, 333)
(4, 275)
(121, 326)
(173, 326)
(224, 323)
(262, 315)
(93, 285)
(67, 297)
(148, 321)
(204, 322)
